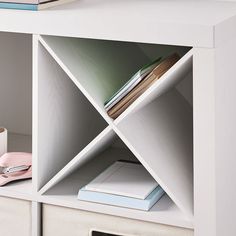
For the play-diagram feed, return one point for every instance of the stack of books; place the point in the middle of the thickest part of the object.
(32, 5)
(138, 84)
(123, 184)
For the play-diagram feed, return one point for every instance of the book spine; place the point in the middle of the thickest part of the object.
(19, 6)
(121, 201)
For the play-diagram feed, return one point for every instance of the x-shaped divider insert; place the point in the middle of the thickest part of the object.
(157, 128)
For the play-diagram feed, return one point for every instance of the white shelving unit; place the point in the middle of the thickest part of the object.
(59, 66)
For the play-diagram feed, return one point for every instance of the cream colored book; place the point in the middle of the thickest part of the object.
(124, 179)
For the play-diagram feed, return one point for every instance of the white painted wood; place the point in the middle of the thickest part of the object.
(170, 79)
(165, 212)
(65, 118)
(160, 136)
(176, 22)
(87, 172)
(20, 190)
(214, 154)
(16, 83)
(36, 219)
(152, 50)
(204, 142)
(185, 87)
(94, 148)
(225, 137)
(98, 67)
(65, 193)
(35, 115)
(74, 79)
(82, 223)
(15, 217)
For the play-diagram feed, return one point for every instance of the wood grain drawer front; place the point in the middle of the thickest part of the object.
(62, 221)
(15, 217)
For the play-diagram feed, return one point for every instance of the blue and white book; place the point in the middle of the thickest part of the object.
(31, 5)
(19, 6)
(125, 184)
(122, 201)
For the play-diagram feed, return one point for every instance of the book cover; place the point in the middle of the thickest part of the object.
(122, 201)
(139, 76)
(156, 74)
(34, 2)
(124, 179)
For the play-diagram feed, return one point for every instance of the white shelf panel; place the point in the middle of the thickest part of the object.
(164, 212)
(65, 193)
(99, 144)
(19, 189)
(67, 122)
(90, 166)
(178, 72)
(160, 136)
(166, 21)
(98, 68)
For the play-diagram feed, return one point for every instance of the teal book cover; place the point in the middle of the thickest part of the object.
(122, 201)
(19, 6)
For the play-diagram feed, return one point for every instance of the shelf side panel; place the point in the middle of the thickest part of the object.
(66, 120)
(160, 135)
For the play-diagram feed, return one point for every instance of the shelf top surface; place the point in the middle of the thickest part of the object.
(190, 23)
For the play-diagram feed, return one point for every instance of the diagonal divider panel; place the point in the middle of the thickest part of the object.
(97, 67)
(158, 130)
(94, 148)
(103, 151)
(170, 79)
(67, 121)
(136, 126)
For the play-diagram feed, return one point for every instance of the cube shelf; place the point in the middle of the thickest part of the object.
(83, 52)
(65, 117)
(163, 119)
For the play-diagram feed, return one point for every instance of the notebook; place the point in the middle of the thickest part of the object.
(161, 69)
(122, 201)
(142, 73)
(124, 179)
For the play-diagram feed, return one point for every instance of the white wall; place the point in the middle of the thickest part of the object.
(16, 82)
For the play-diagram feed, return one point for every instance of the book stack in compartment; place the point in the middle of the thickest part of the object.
(138, 84)
(123, 184)
(31, 5)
